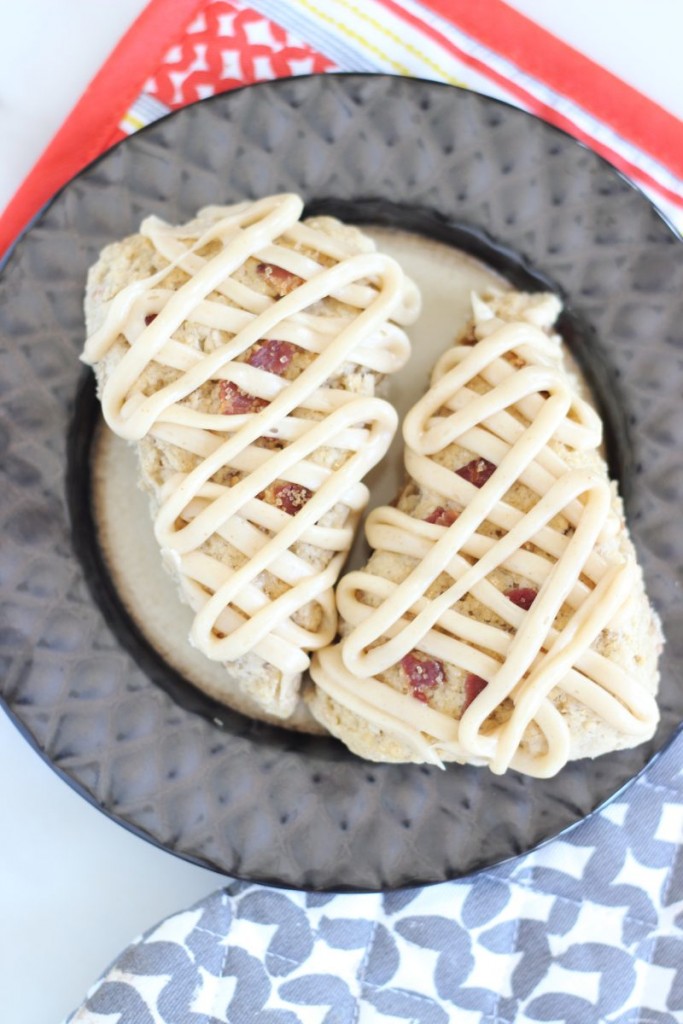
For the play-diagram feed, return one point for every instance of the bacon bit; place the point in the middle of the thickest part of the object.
(473, 687)
(477, 471)
(442, 516)
(280, 280)
(523, 597)
(273, 356)
(235, 402)
(149, 318)
(423, 674)
(291, 497)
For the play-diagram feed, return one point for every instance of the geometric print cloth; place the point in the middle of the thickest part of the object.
(588, 929)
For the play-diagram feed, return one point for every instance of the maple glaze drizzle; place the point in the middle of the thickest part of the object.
(234, 615)
(528, 661)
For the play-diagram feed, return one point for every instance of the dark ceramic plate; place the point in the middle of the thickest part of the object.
(247, 799)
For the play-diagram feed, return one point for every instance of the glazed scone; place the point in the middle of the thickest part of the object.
(501, 619)
(241, 353)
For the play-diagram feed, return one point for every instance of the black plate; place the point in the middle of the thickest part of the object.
(246, 799)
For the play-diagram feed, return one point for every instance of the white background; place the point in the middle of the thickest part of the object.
(74, 887)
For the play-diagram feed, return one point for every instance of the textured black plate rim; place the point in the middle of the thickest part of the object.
(361, 75)
(208, 865)
(206, 862)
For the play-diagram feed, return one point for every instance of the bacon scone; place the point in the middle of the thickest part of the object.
(501, 619)
(241, 352)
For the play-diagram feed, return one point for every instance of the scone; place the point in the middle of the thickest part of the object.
(241, 353)
(501, 619)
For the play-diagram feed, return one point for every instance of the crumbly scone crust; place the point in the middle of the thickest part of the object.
(135, 259)
(633, 641)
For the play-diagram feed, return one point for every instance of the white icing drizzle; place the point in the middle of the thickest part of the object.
(234, 614)
(585, 571)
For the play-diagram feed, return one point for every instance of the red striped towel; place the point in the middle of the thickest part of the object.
(179, 51)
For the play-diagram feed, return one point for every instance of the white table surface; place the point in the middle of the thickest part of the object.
(75, 888)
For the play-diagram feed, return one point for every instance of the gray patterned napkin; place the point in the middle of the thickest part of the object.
(585, 930)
